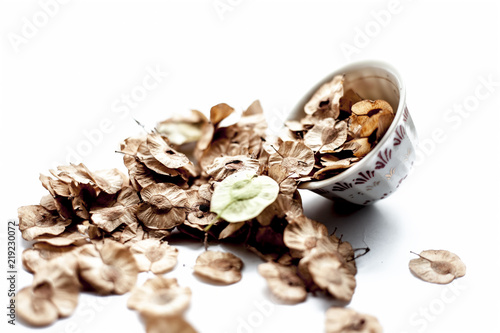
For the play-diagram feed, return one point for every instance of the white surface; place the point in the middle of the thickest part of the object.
(70, 76)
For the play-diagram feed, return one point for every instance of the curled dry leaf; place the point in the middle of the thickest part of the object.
(219, 267)
(369, 107)
(224, 166)
(344, 320)
(437, 266)
(327, 98)
(284, 282)
(154, 255)
(220, 112)
(163, 153)
(38, 256)
(108, 219)
(35, 221)
(198, 208)
(110, 270)
(329, 273)
(302, 234)
(163, 207)
(160, 297)
(243, 196)
(53, 294)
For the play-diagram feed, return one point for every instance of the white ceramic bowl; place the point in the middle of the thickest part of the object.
(381, 172)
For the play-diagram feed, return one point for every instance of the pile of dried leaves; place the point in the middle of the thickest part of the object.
(339, 129)
(97, 230)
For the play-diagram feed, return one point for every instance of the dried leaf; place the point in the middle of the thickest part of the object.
(160, 297)
(155, 256)
(343, 320)
(437, 266)
(284, 282)
(219, 267)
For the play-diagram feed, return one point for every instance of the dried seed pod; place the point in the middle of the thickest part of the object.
(296, 157)
(163, 207)
(167, 156)
(326, 136)
(326, 98)
(53, 294)
(35, 221)
(219, 267)
(343, 320)
(47, 202)
(437, 266)
(37, 256)
(160, 297)
(108, 219)
(284, 282)
(65, 239)
(110, 270)
(328, 273)
(333, 244)
(368, 107)
(348, 99)
(154, 255)
(198, 208)
(225, 166)
(110, 181)
(360, 147)
(302, 234)
(379, 122)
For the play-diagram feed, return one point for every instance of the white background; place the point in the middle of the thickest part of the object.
(68, 75)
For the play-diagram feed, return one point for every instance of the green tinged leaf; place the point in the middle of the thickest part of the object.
(243, 196)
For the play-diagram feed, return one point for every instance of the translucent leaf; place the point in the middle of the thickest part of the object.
(243, 195)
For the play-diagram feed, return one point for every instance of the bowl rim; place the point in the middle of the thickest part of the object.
(318, 184)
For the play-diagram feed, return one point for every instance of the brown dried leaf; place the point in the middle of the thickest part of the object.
(326, 98)
(53, 294)
(160, 297)
(329, 273)
(161, 151)
(343, 320)
(326, 136)
(437, 266)
(296, 157)
(111, 269)
(38, 256)
(220, 112)
(163, 207)
(224, 166)
(302, 234)
(219, 267)
(108, 219)
(154, 255)
(35, 221)
(284, 282)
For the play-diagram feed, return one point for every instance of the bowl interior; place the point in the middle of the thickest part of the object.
(371, 80)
